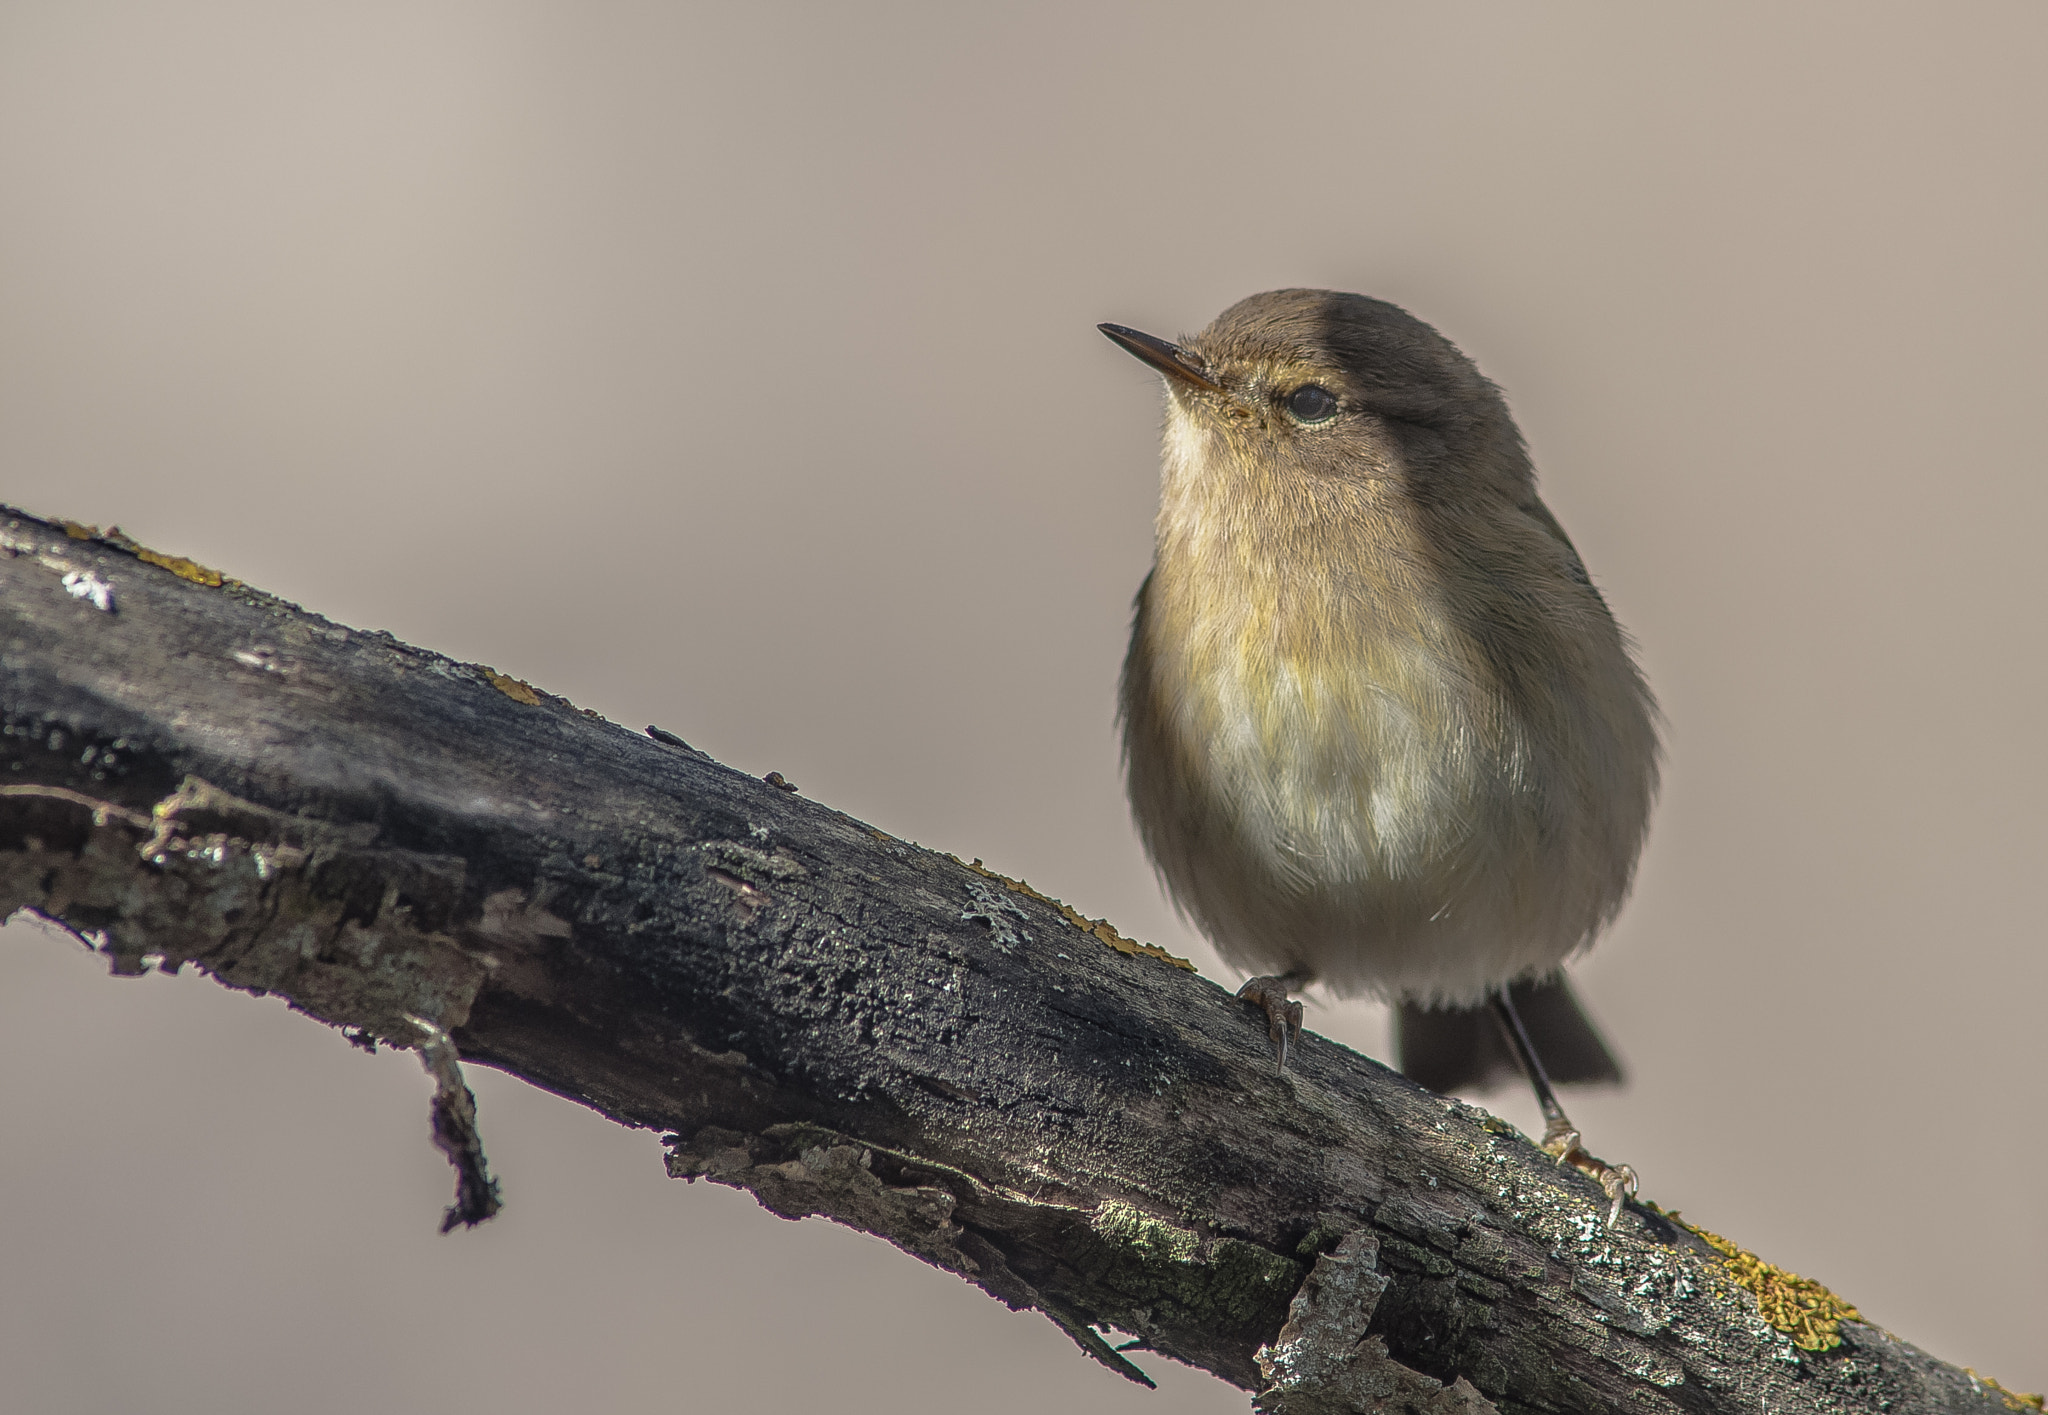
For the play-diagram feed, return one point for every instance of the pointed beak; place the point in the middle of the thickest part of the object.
(1169, 359)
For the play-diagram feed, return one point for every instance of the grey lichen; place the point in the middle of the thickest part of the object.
(1151, 1264)
(1152, 1240)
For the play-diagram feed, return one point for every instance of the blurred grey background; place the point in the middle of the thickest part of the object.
(732, 367)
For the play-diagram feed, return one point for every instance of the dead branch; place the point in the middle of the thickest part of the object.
(441, 857)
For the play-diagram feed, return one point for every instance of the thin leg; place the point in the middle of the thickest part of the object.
(1560, 1136)
(1557, 1126)
(1283, 1015)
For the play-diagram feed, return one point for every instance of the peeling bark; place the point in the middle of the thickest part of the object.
(1326, 1362)
(439, 856)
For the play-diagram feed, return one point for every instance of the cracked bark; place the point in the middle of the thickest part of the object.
(435, 855)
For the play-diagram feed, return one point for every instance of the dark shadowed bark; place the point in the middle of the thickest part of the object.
(845, 1024)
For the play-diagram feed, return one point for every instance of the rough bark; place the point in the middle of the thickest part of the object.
(845, 1024)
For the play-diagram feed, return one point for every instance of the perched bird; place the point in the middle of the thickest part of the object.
(1380, 730)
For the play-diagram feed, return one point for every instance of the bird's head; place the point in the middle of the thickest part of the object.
(1295, 390)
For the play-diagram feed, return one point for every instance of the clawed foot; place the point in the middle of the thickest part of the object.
(1616, 1181)
(1283, 1014)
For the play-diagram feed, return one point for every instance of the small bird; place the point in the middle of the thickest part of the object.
(1381, 732)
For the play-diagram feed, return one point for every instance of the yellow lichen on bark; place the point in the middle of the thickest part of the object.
(1798, 1306)
(181, 567)
(177, 564)
(512, 688)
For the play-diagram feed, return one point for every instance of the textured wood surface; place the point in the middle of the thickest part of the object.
(841, 1022)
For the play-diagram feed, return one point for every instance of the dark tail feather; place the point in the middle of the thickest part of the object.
(1461, 1048)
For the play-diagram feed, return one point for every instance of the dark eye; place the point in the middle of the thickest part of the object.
(1312, 403)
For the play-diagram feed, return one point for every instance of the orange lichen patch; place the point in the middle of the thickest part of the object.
(512, 688)
(181, 567)
(177, 564)
(2014, 1399)
(1100, 928)
(1797, 1306)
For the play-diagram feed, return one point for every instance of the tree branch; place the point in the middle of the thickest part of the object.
(438, 856)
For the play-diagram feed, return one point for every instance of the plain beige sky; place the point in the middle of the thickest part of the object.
(734, 368)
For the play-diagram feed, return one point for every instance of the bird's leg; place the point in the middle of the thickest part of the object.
(1283, 1014)
(1560, 1136)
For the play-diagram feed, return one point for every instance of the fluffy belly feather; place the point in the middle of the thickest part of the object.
(1392, 826)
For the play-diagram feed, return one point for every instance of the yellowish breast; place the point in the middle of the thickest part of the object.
(1342, 727)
